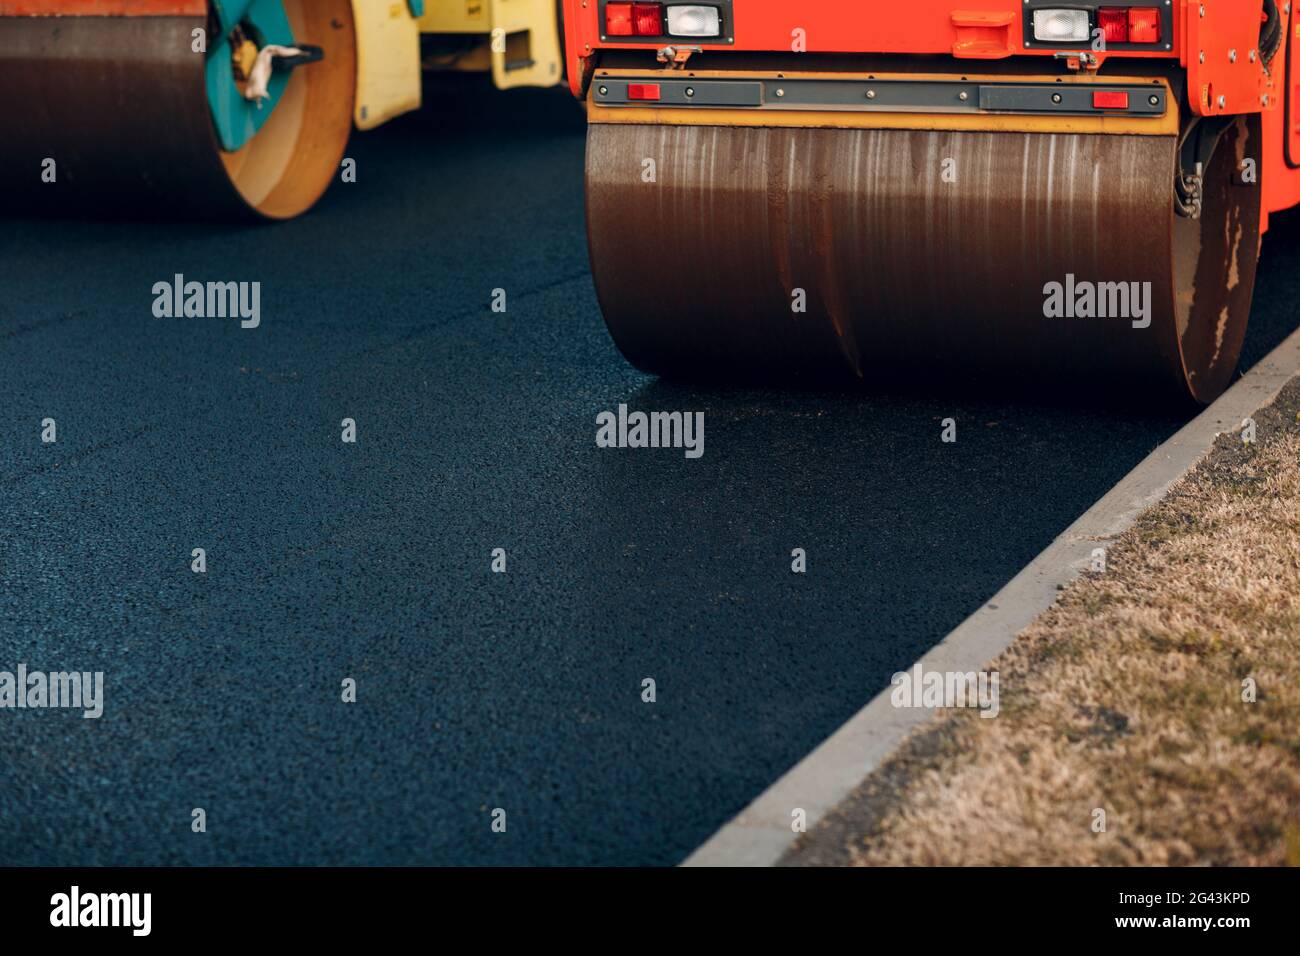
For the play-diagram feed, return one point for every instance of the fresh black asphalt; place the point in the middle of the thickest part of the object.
(327, 560)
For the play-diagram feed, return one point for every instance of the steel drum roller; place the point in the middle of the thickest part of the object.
(119, 102)
(907, 274)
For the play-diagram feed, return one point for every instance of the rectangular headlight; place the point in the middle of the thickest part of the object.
(1061, 26)
(694, 21)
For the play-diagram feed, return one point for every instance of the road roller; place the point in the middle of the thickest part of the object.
(997, 191)
(243, 107)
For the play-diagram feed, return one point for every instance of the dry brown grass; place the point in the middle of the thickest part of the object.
(1127, 696)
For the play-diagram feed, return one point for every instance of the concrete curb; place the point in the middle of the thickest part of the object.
(761, 833)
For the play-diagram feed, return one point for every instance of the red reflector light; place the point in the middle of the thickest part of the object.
(643, 91)
(1110, 99)
(618, 19)
(1143, 25)
(1113, 22)
(648, 19)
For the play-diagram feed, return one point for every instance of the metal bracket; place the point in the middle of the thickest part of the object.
(1078, 60)
(1195, 148)
(676, 56)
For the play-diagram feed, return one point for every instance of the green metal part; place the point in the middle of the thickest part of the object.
(236, 119)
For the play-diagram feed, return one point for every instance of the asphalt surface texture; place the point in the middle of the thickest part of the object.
(475, 430)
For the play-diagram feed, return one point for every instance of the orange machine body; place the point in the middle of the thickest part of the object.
(1211, 45)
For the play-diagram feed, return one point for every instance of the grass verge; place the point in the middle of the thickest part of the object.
(1129, 696)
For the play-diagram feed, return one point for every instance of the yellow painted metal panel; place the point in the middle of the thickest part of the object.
(532, 60)
(456, 16)
(521, 38)
(388, 61)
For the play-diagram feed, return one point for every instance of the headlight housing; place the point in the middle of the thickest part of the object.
(1061, 26)
(694, 20)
